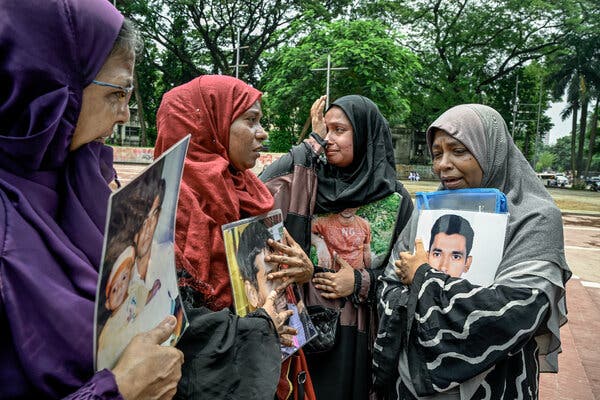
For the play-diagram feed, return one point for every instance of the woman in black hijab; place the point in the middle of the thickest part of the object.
(347, 162)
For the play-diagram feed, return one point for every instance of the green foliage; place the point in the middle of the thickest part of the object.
(468, 51)
(377, 68)
(382, 216)
(562, 154)
(545, 162)
(466, 47)
(502, 98)
(575, 71)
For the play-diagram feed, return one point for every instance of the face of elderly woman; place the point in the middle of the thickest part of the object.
(340, 138)
(102, 106)
(246, 137)
(453, 163)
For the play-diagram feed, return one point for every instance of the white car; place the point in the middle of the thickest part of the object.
(561, 180)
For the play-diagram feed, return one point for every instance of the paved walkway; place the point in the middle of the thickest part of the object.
(579, 363)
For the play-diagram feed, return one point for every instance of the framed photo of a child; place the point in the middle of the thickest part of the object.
(138, 283)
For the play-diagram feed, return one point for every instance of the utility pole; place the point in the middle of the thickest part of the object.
(537, 126)
(515, 108)
(237, 55)
(522, 113)
(328, 69)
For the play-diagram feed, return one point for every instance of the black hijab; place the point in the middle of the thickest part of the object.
(372, 174)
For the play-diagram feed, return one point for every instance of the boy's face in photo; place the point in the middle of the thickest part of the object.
(143, 239)
(257, 295)
(448, 253)
(118, 291)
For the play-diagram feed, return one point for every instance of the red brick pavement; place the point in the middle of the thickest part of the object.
(126, 172)
(579, 363)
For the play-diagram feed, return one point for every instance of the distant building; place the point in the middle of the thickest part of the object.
(410, 147)
(128, 134)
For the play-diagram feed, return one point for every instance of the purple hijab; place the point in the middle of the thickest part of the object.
(52, 201)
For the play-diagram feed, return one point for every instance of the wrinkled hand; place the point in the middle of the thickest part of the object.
(335, 285)
(298, 268)
(285, 332)
(147, 370)
(316, 115)
(407, 265)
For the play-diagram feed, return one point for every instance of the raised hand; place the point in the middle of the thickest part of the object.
(297, 267)
(407, 265)
(316, 114)
(336, 284)
(147, 370)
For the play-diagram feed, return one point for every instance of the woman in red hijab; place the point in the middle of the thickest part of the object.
(223, 116)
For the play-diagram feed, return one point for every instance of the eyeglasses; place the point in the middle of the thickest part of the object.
(126, 91)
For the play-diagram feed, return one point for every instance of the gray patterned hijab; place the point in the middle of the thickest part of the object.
(535, 231)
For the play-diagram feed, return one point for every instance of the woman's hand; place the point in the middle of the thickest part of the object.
(335, 285)
(285, 332)
(298, 268)
(316, 114)
(147, 370)
(407, 265)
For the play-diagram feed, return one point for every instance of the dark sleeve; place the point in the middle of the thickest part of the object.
(301, 154)
(405, 212)
(227, 356)
(458, 330)
(391, 334)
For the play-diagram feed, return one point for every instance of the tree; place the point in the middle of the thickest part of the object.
(562, 152)
(189, 38)
(467, 46)
(545, 162)
(577, 72)
(378, 67)
(533, 99)
(211, 29)
(593, 131)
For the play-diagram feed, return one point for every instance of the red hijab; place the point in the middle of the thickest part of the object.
(212, 193)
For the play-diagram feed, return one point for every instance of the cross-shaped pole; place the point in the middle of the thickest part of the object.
(328, 69)
(237, 55)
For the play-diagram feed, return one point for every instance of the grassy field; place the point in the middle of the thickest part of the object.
(566, 199)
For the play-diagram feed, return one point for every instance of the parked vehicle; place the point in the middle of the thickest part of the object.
(559, 180)
(547, 178)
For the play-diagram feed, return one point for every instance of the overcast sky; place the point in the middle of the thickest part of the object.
(561, 128)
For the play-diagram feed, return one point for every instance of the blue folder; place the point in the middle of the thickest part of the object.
(480, 199)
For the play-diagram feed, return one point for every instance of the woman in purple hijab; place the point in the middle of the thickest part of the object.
(66, 68)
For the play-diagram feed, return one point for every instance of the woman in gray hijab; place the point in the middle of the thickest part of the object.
(445, 338)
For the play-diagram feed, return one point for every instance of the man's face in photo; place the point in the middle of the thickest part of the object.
(257, 295)
(448, 253)
(143, 238)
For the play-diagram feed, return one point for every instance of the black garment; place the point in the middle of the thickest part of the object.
(228, 357)
(304, 185)
(452, 331)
